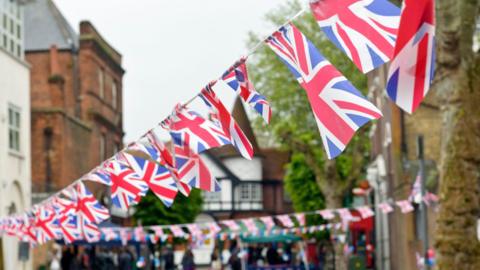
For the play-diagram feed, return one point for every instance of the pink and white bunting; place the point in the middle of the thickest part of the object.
(405, 206)
(286, 221)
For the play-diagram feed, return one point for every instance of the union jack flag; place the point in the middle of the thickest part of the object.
(269, 223)
(88, 208)
(385, 207)
(203, 134)
(405, 206)
(237, 78)
(157, 177)
(326, 214)
(286, 221)
(345, 214)
(127, 186)
(177, 231)
(109, 234)
(89, 231)
(214, 228)
(227, 123)
(339, 108)
(365, 212)
(160, 154)
(412, 68)
(416, 192)
(250, 225)
(192, 170)
(139, 234)
(99, 175)
(70, 228)
(365, 30)
(46, 223)
(231, 224)
(28, 230)
(301, 218)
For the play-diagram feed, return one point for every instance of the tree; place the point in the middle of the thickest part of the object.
(293, 125)
(457, 83)
(151, 211)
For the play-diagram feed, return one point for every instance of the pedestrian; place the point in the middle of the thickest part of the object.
(235, 261)
(125, 260)
(216, 262)
(188, 262)
(168, 258)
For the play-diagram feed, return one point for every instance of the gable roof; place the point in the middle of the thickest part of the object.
(45, 26)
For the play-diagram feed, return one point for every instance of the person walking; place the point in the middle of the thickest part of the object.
(188, 262)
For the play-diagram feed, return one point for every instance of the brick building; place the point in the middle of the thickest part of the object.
(76, 97)
(393, 170)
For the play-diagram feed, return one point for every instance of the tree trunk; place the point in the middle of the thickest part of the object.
(458, 84)
(333, 199)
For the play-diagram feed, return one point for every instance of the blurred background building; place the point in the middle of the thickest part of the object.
(14, 129)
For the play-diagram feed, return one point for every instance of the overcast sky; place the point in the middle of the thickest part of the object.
(170, 49)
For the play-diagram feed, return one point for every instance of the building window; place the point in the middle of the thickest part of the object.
(5, 41)
(5, 22)
(103, 147)
(101, 82)
(14, 128)
(12, 27)
(19, 31)
(211, 196)
(114, 94)
(250, 192)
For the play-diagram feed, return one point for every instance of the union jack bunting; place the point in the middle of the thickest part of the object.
(158, 231)
(345, 214)
(365, 30)
(99, 175)
(203, 134)
(269, 223)
(365, 212)
(300, 218)
(231, 224)
(385, 207)
(139, 234)
(29, 230)
(127, 186)
(88, 208)
(194, 230)
(286, 221)
(214, 228)
(177, 231)
(124, 236)
(250, 225)
(192, 170)
(158, 178)
(326, 214)
(405, 206)
(70, 229)
(46, 224)
(237, 78)
(430, 198)
(162, 156)
(416, 192)
(109, 234)
(230, 128)
(339, 108)
(412, 67)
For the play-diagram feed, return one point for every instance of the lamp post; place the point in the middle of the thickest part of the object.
(423, 207)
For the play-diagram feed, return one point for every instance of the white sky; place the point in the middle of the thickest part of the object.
(170, 49)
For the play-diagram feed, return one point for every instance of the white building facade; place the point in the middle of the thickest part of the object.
(15, 163)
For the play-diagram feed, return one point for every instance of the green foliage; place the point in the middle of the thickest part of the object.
(300, 184)
(293, 125)
(151, 211)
